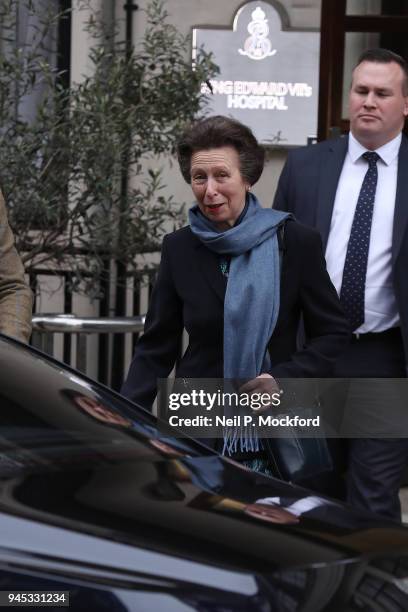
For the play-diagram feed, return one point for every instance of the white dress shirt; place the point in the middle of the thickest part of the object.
(381, 310)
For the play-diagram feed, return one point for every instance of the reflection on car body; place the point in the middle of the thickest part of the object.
(95, 501)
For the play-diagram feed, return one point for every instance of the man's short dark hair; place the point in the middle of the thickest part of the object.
(220, 131)
(384, 56)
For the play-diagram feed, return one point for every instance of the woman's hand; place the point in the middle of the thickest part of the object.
(264, 385)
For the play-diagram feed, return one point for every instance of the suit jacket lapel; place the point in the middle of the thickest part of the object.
(330, 170)
(401, 200)
(210, 267)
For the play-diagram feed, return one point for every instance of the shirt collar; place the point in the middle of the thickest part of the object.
(387, 152)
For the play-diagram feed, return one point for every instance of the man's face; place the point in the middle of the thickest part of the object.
(377, 103)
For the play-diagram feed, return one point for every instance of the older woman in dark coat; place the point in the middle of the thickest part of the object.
(237, 282)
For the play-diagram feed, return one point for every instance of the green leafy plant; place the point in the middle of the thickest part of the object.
(72, 174)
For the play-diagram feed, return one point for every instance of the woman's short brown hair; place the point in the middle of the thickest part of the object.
(220, 131)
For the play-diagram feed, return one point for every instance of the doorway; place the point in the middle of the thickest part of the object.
(348, 27)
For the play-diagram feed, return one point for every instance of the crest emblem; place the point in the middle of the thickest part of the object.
(258, 46)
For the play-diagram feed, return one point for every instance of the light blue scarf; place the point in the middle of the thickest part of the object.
(252, 297)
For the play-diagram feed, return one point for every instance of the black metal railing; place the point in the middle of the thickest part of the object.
(102, 345)
(45, 326)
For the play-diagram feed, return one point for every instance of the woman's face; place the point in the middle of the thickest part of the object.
(218, 185)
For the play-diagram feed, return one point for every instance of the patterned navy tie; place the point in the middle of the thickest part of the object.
(355, 265)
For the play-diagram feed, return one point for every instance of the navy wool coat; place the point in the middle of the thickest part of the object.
(189, 293)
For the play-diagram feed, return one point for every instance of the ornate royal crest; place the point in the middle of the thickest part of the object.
(258, 46)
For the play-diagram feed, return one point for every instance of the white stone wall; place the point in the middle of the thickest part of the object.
(80, 39)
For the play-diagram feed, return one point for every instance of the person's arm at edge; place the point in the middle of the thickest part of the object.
(16, 298)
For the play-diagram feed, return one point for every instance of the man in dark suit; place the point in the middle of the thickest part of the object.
(355, 191)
